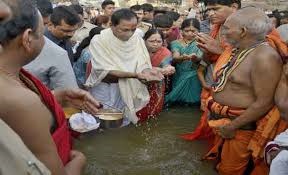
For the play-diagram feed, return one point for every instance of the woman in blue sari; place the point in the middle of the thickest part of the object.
(82, 57)
(186, 87)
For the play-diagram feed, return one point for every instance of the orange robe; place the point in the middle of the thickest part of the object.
(203, 131)
(261, 136)
(236, 152)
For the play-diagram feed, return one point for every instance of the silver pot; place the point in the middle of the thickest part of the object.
(110, 119)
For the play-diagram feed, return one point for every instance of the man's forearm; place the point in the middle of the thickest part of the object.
(114, 75)
(200, 74)
(255, 112)
(121, 74)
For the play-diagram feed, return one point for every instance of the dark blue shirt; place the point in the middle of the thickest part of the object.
(65, 44)
(205, 26)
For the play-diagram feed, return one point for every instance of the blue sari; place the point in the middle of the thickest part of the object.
(186, 87)
(80, 66)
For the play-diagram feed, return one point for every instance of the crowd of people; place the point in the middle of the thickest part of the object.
(228, 60)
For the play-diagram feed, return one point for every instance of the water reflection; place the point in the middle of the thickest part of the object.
(150, 149)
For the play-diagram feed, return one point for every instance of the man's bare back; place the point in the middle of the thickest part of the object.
(259, 71)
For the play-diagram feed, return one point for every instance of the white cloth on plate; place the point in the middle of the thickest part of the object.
(83, 122)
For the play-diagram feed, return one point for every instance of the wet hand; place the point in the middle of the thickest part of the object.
(168, 70)
(186, 57)
(74, 154)
(76, 164)
(227, 131)
(81, 99)
(151, 75)
(208, 44)
(193, 57)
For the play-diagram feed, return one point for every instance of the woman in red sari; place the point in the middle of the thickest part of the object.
(161, 59)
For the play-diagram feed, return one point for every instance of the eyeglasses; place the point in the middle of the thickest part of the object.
(155, 41)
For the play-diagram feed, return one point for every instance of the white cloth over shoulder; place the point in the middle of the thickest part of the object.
(110, 53)
(282, 139)
(279, 165)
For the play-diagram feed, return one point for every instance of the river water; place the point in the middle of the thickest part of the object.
(154, 148)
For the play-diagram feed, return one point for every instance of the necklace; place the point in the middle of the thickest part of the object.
(13, 77)
(187, 42)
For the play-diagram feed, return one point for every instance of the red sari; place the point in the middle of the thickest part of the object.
(61, 136)
(156, 90)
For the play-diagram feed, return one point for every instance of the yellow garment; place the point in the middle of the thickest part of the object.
(110, 53)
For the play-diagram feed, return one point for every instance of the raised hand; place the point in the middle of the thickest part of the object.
(208, 44)
(150, 75)
(168, 70)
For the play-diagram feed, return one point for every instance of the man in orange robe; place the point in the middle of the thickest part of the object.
(213, 46)
(242, 108)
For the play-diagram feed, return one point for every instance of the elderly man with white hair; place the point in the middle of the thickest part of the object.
(242, 109)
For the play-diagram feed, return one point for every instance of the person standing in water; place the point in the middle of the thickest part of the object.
(186, 87)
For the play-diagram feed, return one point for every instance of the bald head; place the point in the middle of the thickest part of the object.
(252, 20)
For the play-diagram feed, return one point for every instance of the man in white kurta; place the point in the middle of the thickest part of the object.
(119, 61)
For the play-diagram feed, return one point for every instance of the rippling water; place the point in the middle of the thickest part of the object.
(153, 148)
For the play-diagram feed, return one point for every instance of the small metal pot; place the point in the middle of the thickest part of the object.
(110, 120)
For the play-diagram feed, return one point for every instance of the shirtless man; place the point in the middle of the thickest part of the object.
(27, 106)
(10, 149)
(249, 86)
(281, 95)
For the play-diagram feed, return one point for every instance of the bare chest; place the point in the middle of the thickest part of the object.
(241, 75)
